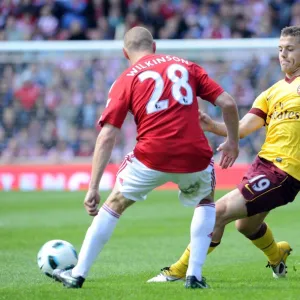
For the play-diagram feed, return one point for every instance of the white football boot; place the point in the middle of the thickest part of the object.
(165, 276)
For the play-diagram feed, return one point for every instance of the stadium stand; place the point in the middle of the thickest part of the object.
(50, 110)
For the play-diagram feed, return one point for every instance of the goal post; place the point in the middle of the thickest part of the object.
(209, 49)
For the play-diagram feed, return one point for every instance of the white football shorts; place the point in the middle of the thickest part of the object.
(135, 181)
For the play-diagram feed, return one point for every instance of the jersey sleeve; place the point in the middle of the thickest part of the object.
(260, 106)
(117, 105)
(207, 88)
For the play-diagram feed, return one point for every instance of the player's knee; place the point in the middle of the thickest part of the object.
(221, 209)
(241, 227)
(117, 202)
(245, 228)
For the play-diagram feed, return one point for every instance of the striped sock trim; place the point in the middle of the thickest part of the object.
(260, 233)
(110, 211)
(214, 244)
(268, 246)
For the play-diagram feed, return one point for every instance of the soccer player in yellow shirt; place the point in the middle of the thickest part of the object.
(273, 179)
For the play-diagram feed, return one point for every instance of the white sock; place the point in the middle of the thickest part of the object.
(202, 226)
(96, 237)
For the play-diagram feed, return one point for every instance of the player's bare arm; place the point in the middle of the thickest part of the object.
(103, 148)
(248, 124)
(230, 148)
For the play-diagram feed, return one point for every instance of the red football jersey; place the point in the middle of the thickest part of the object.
(161, 92)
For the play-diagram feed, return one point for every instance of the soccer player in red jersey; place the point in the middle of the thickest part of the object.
(273, 179)
(161, 92)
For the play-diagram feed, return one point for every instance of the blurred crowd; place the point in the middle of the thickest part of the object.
(167, 19)
(49, 109)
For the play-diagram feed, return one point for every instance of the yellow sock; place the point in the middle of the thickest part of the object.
(180, 267)
(213, 246)
(264, 240)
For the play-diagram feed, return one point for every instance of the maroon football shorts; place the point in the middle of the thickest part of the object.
(266, 187)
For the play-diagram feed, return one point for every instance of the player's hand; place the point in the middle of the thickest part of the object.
(91, 202)
(206, 121)
(230, 152)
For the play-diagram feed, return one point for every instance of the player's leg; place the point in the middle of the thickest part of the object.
(197, 189)
(134, 181)
(205, 227)
(266, 187)
(262, 189)
(95, 239)
(260, 234)
(228, 208)
(101, 230)
(188, 191)
(202, 226)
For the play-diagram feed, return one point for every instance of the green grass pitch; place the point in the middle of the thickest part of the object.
(149, 236)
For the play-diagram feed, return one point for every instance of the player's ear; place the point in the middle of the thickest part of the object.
(154, 47)
(125, 53)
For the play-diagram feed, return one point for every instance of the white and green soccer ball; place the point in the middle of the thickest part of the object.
(56, 254)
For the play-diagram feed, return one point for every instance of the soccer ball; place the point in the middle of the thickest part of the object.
(56, 254)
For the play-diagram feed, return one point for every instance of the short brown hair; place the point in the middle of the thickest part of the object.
(291, 31)
(138, 39)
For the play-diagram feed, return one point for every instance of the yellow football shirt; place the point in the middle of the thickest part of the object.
(280, 107)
